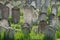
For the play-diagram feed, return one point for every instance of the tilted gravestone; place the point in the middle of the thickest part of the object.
(5, 12)
(15, 14)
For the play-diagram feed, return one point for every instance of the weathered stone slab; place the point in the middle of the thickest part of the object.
(5, 12)
(15, 14)
(1, 5)
(28, 11)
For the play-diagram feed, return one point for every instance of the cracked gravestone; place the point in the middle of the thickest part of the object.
(5, 12)
(15, 14)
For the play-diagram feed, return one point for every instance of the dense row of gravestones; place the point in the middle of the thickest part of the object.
(43, 26)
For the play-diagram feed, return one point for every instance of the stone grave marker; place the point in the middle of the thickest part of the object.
(1, 5)
(5, 12)
(15, 14)
(28, 11)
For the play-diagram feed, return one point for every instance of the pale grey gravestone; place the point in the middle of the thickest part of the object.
(10, 8)
(28, 11)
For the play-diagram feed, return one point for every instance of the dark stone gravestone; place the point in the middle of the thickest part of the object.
(5, 12)
(15, 14)
(1, 5)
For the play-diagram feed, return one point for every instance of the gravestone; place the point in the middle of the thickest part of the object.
(1, 5)
(27, 14)
(5, 12)
(15, 14)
